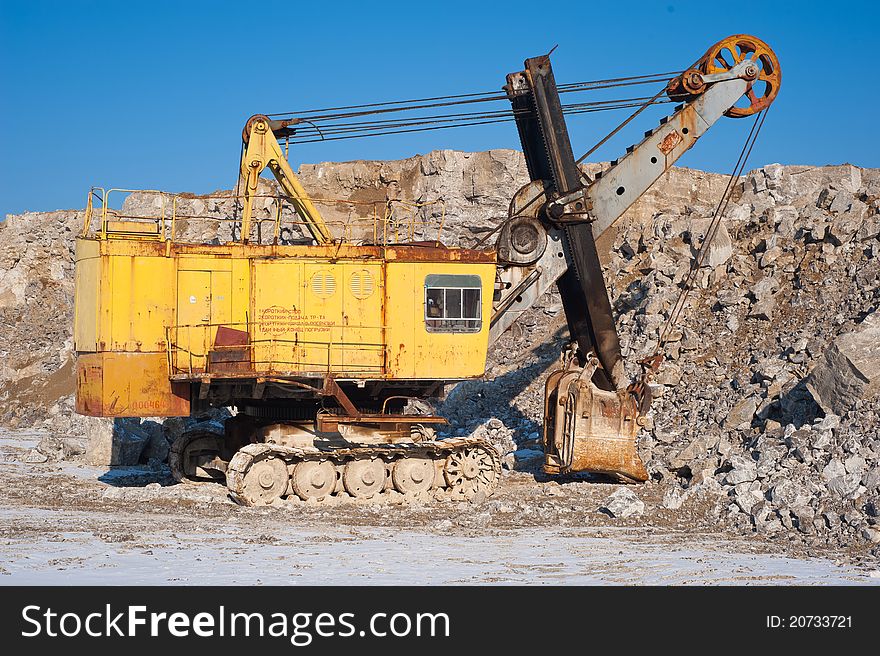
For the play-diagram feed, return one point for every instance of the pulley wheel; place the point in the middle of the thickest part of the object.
(729, 52)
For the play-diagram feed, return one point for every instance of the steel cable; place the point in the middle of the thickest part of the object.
(337, 131)
(460, 99)
(712, 230)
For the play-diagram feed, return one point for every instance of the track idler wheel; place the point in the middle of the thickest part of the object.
(257, 476)
(471, 470)
(195, 457)
(314, 480)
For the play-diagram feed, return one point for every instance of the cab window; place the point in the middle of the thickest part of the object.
(453, 303)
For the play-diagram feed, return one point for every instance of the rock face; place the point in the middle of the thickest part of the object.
(765, 407)
(36, 314)
(849, 370)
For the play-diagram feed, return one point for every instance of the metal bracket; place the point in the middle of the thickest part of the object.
(574, 206)
(747, 72)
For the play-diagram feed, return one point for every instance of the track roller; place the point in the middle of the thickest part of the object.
(260, 474)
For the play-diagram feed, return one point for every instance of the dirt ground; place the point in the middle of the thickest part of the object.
(75, 524)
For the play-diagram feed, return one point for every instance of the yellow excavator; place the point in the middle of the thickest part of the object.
(319, 342)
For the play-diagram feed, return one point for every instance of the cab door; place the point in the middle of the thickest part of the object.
(203, 304)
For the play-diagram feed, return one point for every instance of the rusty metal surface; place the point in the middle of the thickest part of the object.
(589, 429)
(228, 358)
(670, 141)
(415, 252)
(729, 52)
(332, 388)
(634, 173)
(106, 388)
(328, 423)
(384, 419)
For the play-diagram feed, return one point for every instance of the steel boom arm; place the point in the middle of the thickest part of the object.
(261, 150)
(633, 174)
(582, 213)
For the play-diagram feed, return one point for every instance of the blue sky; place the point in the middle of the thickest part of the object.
(154, 94)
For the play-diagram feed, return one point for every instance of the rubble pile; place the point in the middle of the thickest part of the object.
(769, 381)
(767, 400)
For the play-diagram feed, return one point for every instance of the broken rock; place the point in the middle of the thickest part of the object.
(741, 415)
(846, 486)
(624, 503)
(34, 457)
(673, 498)
(118, 442)
(744, 470)
(849, 370)
(833, 469)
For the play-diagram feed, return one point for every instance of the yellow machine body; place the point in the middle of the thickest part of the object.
(153, 318)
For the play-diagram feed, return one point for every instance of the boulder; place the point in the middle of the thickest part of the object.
(117, 442)
(718, 251)
(846, 486)
(833, 469)
(741, 415)
(624, 503)
(788, 494)
(157, 446)
(673, 498)
(34, 457)
(744, 470)
(849, 369)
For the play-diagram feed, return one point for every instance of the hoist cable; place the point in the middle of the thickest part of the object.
(382, 127)
(466, 98)
(714, 226)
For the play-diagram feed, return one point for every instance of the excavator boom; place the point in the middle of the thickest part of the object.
(592, 411)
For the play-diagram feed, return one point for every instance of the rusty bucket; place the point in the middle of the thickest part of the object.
(590, 429)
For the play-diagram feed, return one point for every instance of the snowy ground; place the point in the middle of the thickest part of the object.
(381, 556)
(73, 524)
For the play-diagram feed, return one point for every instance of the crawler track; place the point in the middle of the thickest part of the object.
(259, 474)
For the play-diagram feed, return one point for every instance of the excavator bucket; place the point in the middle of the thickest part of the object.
(590, 429)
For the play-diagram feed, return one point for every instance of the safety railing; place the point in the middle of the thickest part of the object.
(267, 349)
(185, 218)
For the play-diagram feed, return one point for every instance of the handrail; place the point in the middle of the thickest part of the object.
(181, 342)
(362, 220)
